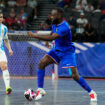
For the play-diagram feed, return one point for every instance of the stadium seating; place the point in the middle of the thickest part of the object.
(44, 8)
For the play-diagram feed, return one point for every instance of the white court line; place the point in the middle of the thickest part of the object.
(80, 46)
(44, 48)
(89, 44)
(39, 46)
(66, 91)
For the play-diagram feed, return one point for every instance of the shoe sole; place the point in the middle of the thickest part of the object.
(41, 97)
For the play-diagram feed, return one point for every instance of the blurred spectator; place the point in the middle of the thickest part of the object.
(48, 21)
(17, 25)
(81, 24)
(33, 4)
(95, 3)
(97, 9)
(11, 3)
(103, 7)
(23, 19)
(61, 3)
(67, 3)
(84, 2)
(89, 33)
(23, 15)
(21, 3)
(80, 5)
(2, 3)
(89, 7)
(10, 21)
(82, 20)
(102, 18)
(72, 23)
(13, 11)
(44, 26)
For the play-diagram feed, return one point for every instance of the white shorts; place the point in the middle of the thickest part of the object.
(3, 57)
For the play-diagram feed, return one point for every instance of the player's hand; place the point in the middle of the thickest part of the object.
(10, 52)
(30, 34)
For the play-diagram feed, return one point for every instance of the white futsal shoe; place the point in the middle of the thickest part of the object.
(40, 93)
(93, 96)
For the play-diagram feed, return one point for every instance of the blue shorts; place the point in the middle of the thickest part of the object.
(67, 58)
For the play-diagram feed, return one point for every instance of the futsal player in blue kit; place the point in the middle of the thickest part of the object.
(64, 52)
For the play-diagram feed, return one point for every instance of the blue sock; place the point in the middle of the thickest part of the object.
(84, 84)
(40, 78)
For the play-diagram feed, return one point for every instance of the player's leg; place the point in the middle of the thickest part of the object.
(6, 76)
(46, 60)
(81, 81)
(69, 61)
(49, 58)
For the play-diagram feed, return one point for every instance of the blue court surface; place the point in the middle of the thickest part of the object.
(59, 92)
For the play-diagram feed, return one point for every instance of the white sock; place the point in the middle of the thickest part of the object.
(6, 78)
(91, 92)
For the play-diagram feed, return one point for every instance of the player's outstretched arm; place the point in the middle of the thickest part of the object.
(7, 44)
(44, 37)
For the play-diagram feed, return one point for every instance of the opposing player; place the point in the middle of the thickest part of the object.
(64, 51)
(3, 59)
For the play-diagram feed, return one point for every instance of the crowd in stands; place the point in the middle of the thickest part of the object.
(86, 19)
(17, 13)
(47, 24)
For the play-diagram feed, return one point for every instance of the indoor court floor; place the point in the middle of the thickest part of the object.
(59, 92)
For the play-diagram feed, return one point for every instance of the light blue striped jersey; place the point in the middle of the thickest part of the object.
(3, 35)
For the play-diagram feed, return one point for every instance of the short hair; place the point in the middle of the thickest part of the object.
(60, 11)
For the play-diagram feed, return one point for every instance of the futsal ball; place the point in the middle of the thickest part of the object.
(29, 94)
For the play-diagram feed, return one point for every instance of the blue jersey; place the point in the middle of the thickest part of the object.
(64, 43)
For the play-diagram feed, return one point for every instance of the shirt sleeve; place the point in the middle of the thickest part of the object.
(5, 34)
(62, 32)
